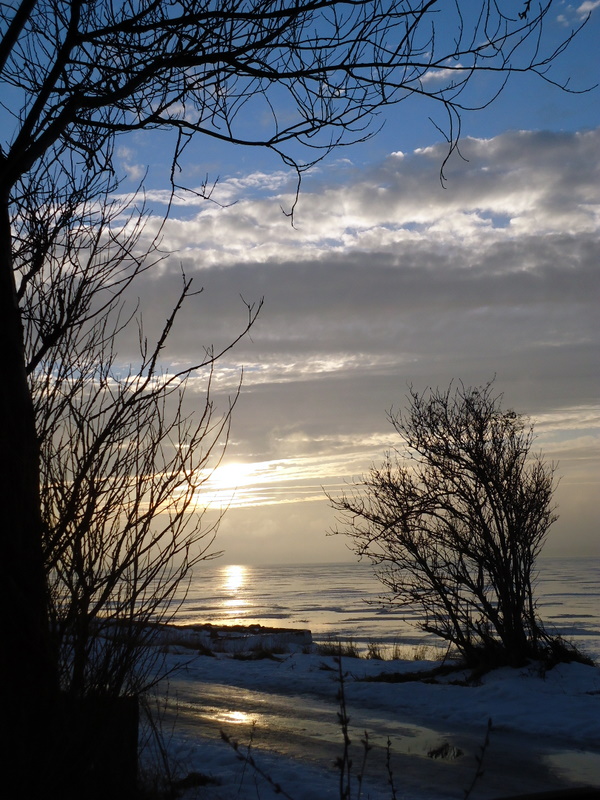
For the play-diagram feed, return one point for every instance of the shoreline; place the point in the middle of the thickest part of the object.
(220, 638)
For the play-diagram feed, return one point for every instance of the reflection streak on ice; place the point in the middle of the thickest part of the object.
(234, 579)
(234, 603)
(235, 717)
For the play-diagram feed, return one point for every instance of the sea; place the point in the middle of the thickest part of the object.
(346, 602)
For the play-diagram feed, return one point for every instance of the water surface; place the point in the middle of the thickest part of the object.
(347, 601)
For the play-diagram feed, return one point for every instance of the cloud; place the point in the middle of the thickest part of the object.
(388, 268)
(587, 7)
(444, 74)
(573, 15)
(135, 172)
(505, 187)
(387, 278)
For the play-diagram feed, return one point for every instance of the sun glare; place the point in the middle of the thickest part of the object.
(231, 476)
(238, 484)
(227, 485)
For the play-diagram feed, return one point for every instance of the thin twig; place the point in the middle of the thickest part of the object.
(479, 759)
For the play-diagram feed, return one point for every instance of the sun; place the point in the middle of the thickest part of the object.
(231, 476)
(231, 484)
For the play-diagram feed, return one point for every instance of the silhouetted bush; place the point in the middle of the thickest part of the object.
(455, 521)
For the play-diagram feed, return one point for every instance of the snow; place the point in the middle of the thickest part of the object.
(283, 711)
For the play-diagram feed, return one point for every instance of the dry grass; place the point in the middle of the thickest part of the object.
(336, 647)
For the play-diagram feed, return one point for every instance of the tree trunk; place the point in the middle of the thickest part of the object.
(29, 668)
(100, 746)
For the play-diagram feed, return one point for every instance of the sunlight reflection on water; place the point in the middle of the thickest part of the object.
(233, 717)
(235, 603)
(234, 580)
(344, 600)
(234, 577)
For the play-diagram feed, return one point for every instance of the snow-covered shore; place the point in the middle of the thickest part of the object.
(284, 709)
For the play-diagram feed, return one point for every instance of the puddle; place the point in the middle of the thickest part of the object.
(441, 761)
(289, 719)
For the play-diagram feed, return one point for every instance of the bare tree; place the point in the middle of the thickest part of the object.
(456, 519)
(296, 78)
(124, 455)
(121, 480)
(122, 462)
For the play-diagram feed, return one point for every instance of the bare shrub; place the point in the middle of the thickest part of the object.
(456, 519)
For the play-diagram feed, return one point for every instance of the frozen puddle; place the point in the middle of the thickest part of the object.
(440, 762)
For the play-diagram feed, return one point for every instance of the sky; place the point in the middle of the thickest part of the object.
(390, 277)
